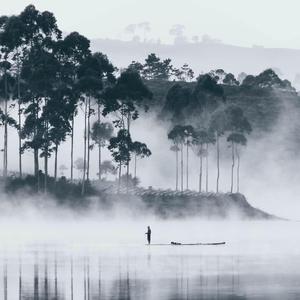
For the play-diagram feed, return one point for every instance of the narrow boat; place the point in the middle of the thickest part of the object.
(189, 244)
(197, 244)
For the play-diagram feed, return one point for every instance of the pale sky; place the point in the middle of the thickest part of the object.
(272, 23)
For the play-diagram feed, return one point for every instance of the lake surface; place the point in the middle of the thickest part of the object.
(109, 260)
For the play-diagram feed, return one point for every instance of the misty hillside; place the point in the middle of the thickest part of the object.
(266, 108)
(205, 56)
(72, 116)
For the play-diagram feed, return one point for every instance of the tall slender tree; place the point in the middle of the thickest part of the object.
(189, 134)
(91, 75)
(203, 138)
(198, 147)
(71, 52)
(39, 68)
(108, 80)
(14, 46)
(219, 126)
(6, 49)
(6, 96)
(236, 139)
(120, 147)
(175, 149)
(127, 97)
(177, 135)
(239, 126)
(140, 150)
(40, 73)
(101, 134)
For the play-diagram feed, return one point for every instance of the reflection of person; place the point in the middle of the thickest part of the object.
(148, 235)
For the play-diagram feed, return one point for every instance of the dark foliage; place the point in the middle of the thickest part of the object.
(63, 190)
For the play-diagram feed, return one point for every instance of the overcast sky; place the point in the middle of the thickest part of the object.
(272, 23)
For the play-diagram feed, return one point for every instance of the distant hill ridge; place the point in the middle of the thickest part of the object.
(207, 56)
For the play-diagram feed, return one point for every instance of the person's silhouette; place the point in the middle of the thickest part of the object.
(148, 233)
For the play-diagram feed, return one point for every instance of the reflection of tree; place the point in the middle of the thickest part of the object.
(5, 281)
(36, 283)
(43, 288)
(46, 296)
(126, 288)
(121, 288)
(181, 285)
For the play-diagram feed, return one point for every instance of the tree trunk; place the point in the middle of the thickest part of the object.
(187, 166)
(46, 156)
(218, 164)
(99, 146)
(200, 168)
(238, 170)
(84, 151)
(88, 139)
(46, 150)
(35, 149)
(5, 127)
(176, 170)
(19, 124)
(100, 161)
(128, 162)
(181, 165)
(72, 148)
(206, 168)
(120, 174)
(36, 167)
(232, 166)
(5, 142)
(55, 162)
(20, 139)
(46, 172)
(127, 176)
(135, 163)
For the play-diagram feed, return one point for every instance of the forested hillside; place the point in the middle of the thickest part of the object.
(51, 83)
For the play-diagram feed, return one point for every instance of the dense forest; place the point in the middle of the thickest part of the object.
(47, 77)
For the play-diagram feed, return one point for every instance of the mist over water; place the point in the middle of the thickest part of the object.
(51, 252)
(84, 236)
(95, 257)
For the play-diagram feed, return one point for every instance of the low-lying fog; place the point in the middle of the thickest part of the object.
(90, 257)
(54, 253)
(269, 167)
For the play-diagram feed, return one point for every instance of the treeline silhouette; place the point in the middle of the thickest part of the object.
(47, 77)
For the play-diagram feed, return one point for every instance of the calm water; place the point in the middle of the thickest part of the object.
(81, 260)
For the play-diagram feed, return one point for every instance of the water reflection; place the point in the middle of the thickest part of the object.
(5, 280)
(55, 276)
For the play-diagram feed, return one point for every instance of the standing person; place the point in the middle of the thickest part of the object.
(148, 235)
